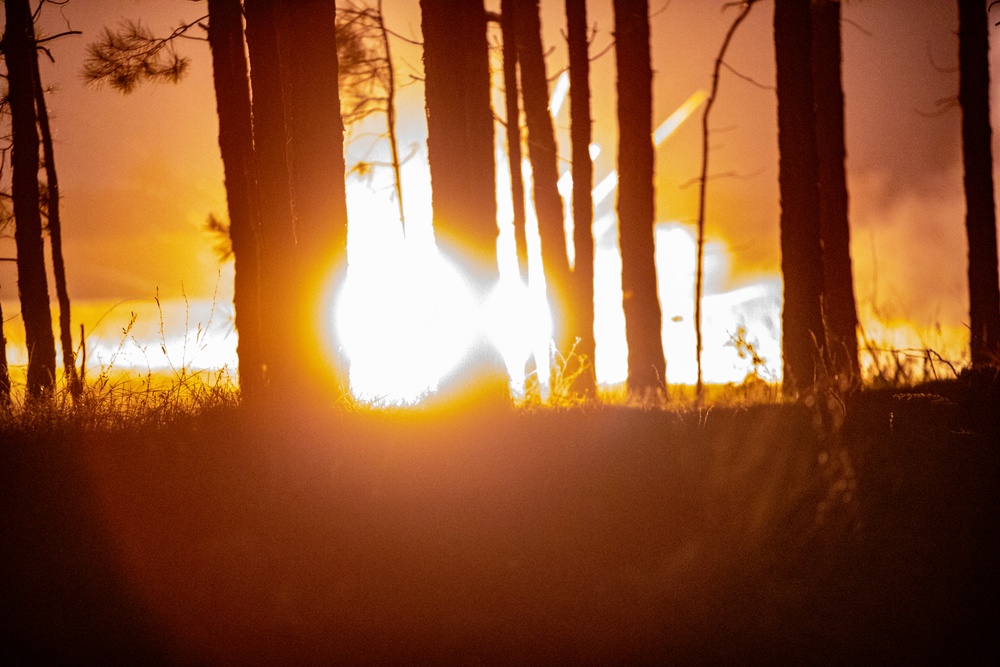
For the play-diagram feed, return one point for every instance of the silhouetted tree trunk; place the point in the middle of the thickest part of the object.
(636, 198)
(4, 374)
(460, 151)
(232, 94)
(276, 233)
(55, 235)
(315, 141)
(544, 165)
(460, 127)
(513, 110)
(980, 221)
(581, 320)
(801, 249)
(20, 54)
(839, 307)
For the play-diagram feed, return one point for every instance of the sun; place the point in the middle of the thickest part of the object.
(402, 319)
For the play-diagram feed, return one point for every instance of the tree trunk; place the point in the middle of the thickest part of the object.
(581, 321)
(513, 110)
(4, 374)
(839, 307)
(636, 198)
(544, 167)
(32, 282)
(461, 155)
(276, 234)
(460, 128)
(801, 249)
(55, 236)
(232, 94)
(315, 141)
(980, 221)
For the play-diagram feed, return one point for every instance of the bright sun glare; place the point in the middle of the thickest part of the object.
(403, 321)
(406, 316)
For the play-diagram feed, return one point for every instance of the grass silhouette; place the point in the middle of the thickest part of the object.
(154, 519)
(175, 526)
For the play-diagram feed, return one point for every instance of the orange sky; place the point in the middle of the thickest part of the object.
(140, 173)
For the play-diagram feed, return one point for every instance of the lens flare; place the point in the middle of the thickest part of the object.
(405, 318)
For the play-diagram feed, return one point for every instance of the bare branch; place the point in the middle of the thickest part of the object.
(603, 51)
(938, 68)
(748, 79)
(663, 8)
(42, 40)
(700, 260)
(735, 175)
(944, 105)
(857, 26)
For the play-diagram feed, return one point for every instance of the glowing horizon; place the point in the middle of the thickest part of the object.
(406, 317)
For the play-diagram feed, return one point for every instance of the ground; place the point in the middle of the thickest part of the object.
(600, 535)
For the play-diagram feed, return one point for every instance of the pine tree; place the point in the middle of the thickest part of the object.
(20, 55)
(460, 128)
(980, 221)
(637, 198)
(801, 250)
(314, 133)
(276, 233)
(232, 94)
(581, 320)
(513, 109)
(544, 164)
(460, 152)
(839, 307)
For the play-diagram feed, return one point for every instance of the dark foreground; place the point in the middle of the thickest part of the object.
(591, 537)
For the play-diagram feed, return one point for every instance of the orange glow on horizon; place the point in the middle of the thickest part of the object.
(406, 316)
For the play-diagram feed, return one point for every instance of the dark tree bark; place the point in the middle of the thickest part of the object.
(801, 249)
(544, 165)
(980, 221)
(513, 109)
(460, 128)
(32, 282)
(315, 149)
(232, 94)
(636, 198)
(276, 234)
(4, 374)
(55, 235)
(581, 323)
(462, 164)
(839, 307)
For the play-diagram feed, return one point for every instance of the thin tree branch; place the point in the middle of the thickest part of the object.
(857, 26)
(64, 33)
(945, 104)
(720, 175)
(603, 51)
(939, 68)
(748, 79)
(700, 262)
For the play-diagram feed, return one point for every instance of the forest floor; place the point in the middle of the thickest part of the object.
(596, 535)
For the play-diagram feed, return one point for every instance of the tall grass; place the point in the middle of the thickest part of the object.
(120, 397)
(116, 396)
